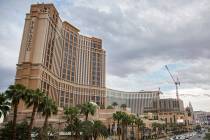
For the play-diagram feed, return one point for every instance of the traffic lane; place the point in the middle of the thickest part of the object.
(196, 137)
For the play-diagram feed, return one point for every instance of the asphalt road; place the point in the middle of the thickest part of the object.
(198, 138)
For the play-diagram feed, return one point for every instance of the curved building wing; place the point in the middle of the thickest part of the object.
(56, 58)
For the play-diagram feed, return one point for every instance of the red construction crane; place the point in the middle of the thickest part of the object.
(176, 82)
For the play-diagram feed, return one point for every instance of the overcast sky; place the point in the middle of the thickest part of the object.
(140, 37)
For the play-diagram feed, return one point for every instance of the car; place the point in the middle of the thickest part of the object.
(182, 137)
(176, 138)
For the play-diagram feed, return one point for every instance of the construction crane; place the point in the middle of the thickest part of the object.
(176, 82)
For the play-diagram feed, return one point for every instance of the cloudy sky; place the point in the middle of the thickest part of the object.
(140, 38)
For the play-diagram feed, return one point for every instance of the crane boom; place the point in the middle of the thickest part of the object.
(170, 73)
(176, 82)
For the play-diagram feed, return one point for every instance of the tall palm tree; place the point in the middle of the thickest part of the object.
(88, 108)
(73, 122)
(117, 117)
(34, 98)
(15, 93)
(132, 122)
(47, 107)
(99, 129)
(86, 129)
(77, 127)
(71, 114)
(155, 126)
(140, 125)
(4, 105)
(125, 122)
(123, 106)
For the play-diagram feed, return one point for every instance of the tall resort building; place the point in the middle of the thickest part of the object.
(56, 58)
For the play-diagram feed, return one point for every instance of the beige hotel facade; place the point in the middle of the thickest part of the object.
(56, 58)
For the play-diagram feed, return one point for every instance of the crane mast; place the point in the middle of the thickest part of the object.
(176, 82)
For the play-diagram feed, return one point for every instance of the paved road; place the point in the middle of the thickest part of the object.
(192, 138)
(198, 138)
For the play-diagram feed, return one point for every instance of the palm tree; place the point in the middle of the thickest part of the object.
(71, 114)
(109, 107)
(132, 122)
(156, 126)
(47, 107)
(77, 127)
(34, 98)
(87, 129)
(88, 108)
(117, 117)
(140, 125)
(4, 105)
(114, 104)
(123, 106)
(125, 122)
(73, 122)
(15, 93)
(99, 129)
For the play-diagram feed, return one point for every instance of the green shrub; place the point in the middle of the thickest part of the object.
(207, 137)
(21, 131)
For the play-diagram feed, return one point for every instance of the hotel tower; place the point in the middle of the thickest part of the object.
(57, 59)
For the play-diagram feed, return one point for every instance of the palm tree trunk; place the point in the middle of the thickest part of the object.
(45, 122)
(132, 130)
(95, 137)
(31, 122)
(14, 122)
(123, 135)
(126, 131)
(137, 132)
(118, 128)
(86, 117)
(76, 136)
(44, 133)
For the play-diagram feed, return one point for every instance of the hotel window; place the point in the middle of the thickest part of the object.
(67, 99)
(75, 39)
(63, 76)
(92, 98)
(71, 37)
(67, 35)
(62, 99)
(64, 70)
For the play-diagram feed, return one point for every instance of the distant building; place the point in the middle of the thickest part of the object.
(144, 101)
(189, 110)
(201, 117)
(190, 107)
(139, 102)
(171, 105)
(166, 105)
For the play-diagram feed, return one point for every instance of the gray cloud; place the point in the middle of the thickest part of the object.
(140, 37)
(7, 78)
(146, 30)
